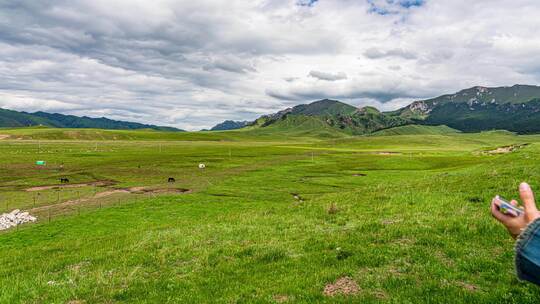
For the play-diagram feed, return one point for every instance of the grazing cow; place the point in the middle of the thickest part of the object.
(171, 180)
(64, 180)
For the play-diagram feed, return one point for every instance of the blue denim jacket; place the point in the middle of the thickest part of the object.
(528, 253)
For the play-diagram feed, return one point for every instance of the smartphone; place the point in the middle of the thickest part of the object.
(509, 209)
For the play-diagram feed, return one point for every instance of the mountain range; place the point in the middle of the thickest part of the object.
(13, 119)
(230, 125)
(515, 108)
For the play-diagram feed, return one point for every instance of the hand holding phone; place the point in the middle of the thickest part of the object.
(507, 208)
(513, 217)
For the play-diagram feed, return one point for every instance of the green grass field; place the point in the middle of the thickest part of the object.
(273, 218)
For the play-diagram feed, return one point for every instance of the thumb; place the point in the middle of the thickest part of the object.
(527, 196)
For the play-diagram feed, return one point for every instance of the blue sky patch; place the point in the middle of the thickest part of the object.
(306, 2)
(386, 7)
(410, 3)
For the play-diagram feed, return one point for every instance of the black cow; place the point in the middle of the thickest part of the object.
(171, 180)
(64, 180)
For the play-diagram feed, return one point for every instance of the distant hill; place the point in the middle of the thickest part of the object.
(417, 129)
(323, 107)
(229, 125)
(9, 118)
(330, 114)
(296, 126)
(515, 108)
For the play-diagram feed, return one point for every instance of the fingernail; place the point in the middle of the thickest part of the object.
(524, 186)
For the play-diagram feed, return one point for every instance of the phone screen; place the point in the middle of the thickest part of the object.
(507, 208)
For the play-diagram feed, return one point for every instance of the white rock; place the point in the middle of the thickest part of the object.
(14, 218)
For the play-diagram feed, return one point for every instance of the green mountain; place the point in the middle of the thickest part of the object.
(416, 130)
(323, 107)
(9, 118)
(515, 109)
(229, 125)
(329, 115)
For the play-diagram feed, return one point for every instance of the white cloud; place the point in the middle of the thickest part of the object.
(192, 64)
(328, 76)
(375, 53)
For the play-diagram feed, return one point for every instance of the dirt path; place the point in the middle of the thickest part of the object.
(505, 149)
(103, 183)
(4, 136)
(132, 190)
(387, 153)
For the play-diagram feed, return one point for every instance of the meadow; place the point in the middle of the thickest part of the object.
(273, 218)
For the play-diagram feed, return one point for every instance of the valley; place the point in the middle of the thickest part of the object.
(276, 216)
(282, 152)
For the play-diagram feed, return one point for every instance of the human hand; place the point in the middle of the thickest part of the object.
(516, 224)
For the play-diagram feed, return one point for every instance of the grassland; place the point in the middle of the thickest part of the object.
(274, 217)
(416, 130)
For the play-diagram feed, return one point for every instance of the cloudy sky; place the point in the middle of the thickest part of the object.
(191, 64)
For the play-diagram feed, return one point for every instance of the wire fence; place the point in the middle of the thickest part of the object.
(46, 212)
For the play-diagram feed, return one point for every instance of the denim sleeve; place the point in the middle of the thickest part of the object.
(528, 253)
